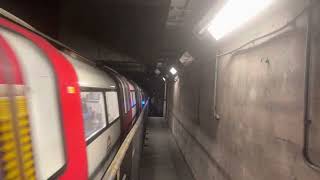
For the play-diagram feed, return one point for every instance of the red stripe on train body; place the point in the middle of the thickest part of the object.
(70, 104)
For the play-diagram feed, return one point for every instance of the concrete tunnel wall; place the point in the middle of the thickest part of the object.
(260, 99)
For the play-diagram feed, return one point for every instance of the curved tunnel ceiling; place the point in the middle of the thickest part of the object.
(132, 27)
(143, 32)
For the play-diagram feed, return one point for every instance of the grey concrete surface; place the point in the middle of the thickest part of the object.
(161, 159)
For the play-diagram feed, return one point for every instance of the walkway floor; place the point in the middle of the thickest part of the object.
(161, 159)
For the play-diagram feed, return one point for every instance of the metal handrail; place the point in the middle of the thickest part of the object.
(114, 167)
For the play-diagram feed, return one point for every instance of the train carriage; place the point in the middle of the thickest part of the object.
(44, 99)
(77, 114)
(128, 93)
(101, 117)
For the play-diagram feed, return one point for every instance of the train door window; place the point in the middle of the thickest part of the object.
(112, 105)
(93, 111)
(124, 96)
(127, 96)
(133, 98)
(133, 103)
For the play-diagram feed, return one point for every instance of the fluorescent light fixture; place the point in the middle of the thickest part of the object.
(164, 79)
(112, 86)
(234, 14)
(173, 71)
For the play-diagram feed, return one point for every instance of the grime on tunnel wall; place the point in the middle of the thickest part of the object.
(260, 101)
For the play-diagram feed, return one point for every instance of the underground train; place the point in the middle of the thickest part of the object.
(61, 117)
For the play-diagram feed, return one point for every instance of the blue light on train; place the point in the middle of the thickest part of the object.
(143, 102)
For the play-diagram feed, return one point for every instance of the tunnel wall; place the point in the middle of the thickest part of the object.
(260, 101)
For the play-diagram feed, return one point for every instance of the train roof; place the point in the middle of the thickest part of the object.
(90, 76)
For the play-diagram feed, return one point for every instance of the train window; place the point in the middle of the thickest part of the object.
(127, 99)
(127, 94)
(93, 109)
(133, 98)
(112, 105)
(124, 96)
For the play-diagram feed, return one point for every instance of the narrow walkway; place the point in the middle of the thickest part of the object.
(161, 159)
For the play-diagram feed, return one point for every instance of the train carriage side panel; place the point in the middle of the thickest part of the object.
(137, 96)
(126, 126)
(15, 122)
(140, 99)
(43, 104)
(70, 107)
(133, 103)
(100, 109)
(122, 99)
